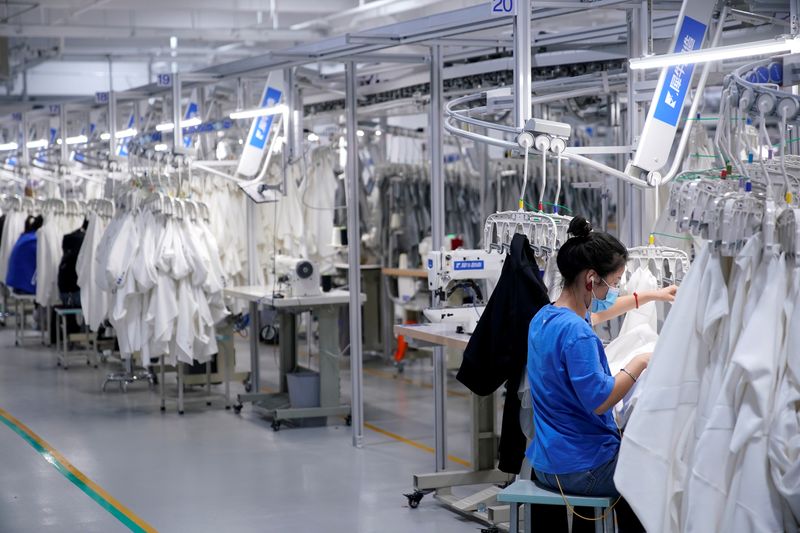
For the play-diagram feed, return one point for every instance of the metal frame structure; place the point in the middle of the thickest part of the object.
(435, 32)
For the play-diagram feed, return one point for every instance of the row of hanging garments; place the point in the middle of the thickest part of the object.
(402, 213)
(16, 212)
(713, 441)
(158, 265)
(61, 234)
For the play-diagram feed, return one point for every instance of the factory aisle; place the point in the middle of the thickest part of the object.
(211, 470)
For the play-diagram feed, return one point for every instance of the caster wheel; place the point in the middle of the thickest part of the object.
(58, 363)
(208, 404)
(227, 407)
(276, 425)
(237, 408)
(180, 412)
(348, 420)
(248, 387)
(414, 498)
(88, 363)
(96, 367)
(163, 408)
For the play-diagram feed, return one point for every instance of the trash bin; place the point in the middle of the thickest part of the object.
(304, 392)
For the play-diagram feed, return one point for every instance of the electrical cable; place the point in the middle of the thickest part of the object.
(524, 180)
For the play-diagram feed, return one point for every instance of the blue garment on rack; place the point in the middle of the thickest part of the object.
(21, 274)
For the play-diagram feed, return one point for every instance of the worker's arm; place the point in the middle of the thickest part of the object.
(624, 381)
(628, 303)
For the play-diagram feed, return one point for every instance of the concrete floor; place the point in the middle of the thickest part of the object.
(211, 470)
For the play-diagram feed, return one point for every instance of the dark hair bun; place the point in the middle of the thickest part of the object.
(579, 227)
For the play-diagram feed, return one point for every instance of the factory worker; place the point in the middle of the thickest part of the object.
(576, 442)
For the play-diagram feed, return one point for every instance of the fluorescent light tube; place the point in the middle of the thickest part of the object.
(260, 112)
(124, 134)
(79, 139)
(161, 147)
(166, 126)
(39, 143)
(720, 53)
(105, 136)
(8, 146)
(188, 123)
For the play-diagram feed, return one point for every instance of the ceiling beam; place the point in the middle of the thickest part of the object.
(227, 6)
(121, 32)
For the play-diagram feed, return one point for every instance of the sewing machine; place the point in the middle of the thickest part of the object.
(448, 271)
(300, 276)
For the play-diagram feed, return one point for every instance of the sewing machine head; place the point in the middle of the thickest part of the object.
(449, 270)
(299, 276)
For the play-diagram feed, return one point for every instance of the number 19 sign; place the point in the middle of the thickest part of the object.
(503, 8)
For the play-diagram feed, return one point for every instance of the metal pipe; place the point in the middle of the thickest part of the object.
(25, 152)
(62, 132)
(176, 112)
(354, 255)
(522, 61)
(112, 111)
(438, 231)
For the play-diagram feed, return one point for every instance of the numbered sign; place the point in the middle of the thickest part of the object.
(164, 80)
(55, 109)
(17, 117)
(503, 8)
(101, 97)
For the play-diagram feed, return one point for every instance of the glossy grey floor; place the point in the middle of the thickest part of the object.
(211, 470)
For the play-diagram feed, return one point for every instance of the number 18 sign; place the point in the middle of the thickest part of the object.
(503, 8)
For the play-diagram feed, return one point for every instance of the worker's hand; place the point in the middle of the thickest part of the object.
(638, 364)
(667, 294)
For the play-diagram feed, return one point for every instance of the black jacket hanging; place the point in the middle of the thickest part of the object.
(67, 269)
(497, 352)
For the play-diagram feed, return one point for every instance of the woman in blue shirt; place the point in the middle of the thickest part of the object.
(577, 441)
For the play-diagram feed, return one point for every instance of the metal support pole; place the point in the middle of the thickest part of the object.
(522, 63)
(176, 112)
(62, 132)
(354, 253)
(438, 232)
(252, 279)
(112, 112)
(25, 152)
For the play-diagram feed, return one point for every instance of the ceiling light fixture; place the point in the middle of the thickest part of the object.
(720, 53)
(8, 146)
(260, 112)
(39, 143)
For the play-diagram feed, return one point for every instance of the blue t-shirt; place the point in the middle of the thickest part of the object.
(569, 377)
(21, 275)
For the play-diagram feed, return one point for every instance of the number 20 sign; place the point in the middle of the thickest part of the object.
(501, 8)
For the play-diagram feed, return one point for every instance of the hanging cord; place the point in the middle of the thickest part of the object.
(783, 134)
(766, 139)
(544, 180)
(558, 186)
(524, 180)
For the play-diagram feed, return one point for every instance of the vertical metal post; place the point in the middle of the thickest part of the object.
(438, 231)
(25, 151)
(112, 111)
(522, 62)
(62, 132)
(354, 253)
(177, 138)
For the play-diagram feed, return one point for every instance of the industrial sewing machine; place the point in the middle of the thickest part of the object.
(461, 269)
(299, 275)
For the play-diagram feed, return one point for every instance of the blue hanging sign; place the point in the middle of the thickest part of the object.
(679, 77)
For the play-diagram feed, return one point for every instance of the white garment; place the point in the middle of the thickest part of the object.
(12, 230)
(710, 469)
(94, 302)
(753, 503)
(658, 431)
(784, 435)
